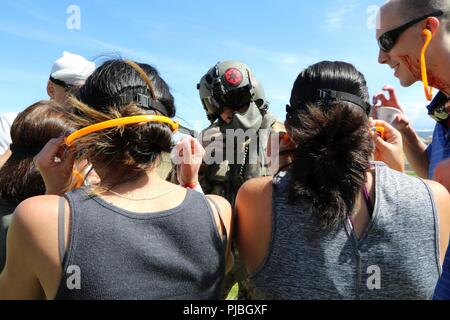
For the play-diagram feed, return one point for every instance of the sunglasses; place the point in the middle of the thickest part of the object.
(388, 39)
(67, 87)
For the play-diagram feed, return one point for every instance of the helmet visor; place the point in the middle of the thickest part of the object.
(235, 99)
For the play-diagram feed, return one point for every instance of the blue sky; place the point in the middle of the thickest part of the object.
(183, 39)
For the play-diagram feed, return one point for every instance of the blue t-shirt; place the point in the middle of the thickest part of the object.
(439, 149)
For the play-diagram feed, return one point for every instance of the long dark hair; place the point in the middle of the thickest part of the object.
(31, 130)
(333, 138)
(116, 90)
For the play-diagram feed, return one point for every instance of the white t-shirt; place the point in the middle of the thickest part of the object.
(6, 121)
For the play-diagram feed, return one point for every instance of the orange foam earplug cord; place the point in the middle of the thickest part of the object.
(120, 122)
(111, 124)
(79, 178)
(380, 131)
(285, 137)
(423, 65)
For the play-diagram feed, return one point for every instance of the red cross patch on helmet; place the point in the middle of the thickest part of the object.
(233, 77)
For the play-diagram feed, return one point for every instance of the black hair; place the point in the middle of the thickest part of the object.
(115, 79)
(333, 138)
(128, 150)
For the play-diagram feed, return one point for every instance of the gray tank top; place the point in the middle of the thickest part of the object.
(114, 254)
(397, 258)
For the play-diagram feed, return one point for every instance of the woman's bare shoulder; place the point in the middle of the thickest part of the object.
(256, 186)
(255, 196)
(37, 214)
(440, 192)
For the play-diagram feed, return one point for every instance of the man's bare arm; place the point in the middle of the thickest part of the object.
(416, 152)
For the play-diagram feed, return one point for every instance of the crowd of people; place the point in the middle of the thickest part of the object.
(86, 212)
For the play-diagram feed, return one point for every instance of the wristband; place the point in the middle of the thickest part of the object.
(190, 185)
(194, 186)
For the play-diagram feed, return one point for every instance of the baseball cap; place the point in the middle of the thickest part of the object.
(71, 70)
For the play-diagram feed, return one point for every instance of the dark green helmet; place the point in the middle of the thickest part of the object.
(230, 84)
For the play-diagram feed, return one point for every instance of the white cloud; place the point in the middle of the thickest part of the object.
(90, 43)
(336, 14)
(31, 11)
(418, 115)
(289, 59)
(34, 34)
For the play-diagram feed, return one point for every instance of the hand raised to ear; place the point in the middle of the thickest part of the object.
(55, 163)
(189, 158)
(389, 150)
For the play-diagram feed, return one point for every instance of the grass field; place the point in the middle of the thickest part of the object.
(233, 295)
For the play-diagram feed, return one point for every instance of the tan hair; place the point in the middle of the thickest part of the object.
(144, 76)
(30, 132)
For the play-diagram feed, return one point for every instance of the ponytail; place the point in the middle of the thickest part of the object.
(332, 158)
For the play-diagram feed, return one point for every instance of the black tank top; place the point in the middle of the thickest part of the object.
(120, 255)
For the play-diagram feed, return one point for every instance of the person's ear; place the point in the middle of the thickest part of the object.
(433, 25)
(50, 89)
(447, 107)
(288, 128)
(287, 139)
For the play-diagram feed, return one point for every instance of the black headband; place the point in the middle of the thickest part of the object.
(332, 95)
(142, 100)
